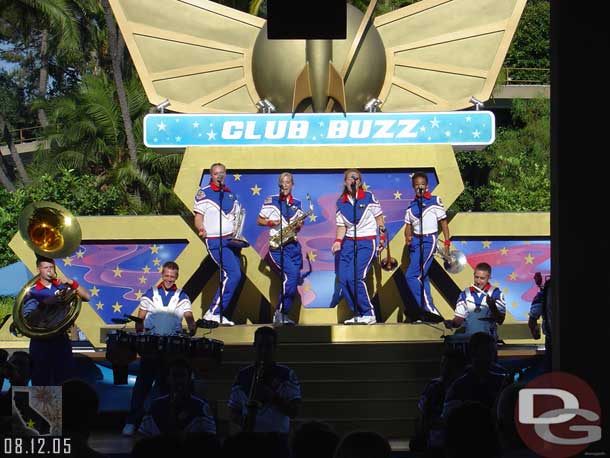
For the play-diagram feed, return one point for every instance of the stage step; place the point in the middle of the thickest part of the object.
(368, 385)
(347, 370)
(330, 389)
(328, 351)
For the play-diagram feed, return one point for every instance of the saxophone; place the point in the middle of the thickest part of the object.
(289, 231)
(252, 404)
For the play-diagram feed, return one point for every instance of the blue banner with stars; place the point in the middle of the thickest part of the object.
(464, 130)
(117, 275)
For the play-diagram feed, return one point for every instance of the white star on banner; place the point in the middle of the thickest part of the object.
(468, 119)
(434, 122)
(178, 138)
(161, 126)
(476, 134)
(196, 125)
(211, 135)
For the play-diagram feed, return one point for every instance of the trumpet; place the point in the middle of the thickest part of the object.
(454, 262)
(388, 263)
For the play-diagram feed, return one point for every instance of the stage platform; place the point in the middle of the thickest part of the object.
(352, 377)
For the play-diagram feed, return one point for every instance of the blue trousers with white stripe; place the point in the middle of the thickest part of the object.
(413, 275)
(293, 263)
(367, 250)
(231, 273)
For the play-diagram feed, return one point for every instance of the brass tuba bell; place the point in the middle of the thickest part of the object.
(454, 262)
(50, 230)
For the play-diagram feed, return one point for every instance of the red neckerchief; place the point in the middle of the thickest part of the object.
(173, 288)
(288, 198)
(359, 195)
(486, 288)
(39, 285)
(217, 188)
(427, 195)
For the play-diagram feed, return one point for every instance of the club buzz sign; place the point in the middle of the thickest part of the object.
(464, 130)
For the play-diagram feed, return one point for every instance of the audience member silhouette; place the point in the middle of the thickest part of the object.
(314, 439)
(193, 444)
(471, 432)
(178, 411)
(480, 381)
(428, 436)
(164, 445)
(243, 444)
(363, 444)
(17, 369)
(80, 408)
(510, 440)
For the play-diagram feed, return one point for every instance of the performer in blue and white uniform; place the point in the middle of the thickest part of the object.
(207, 222)
(480, 307)
(289, 208)
(161, 310)
(275, 389)
(433, 214)
(369, 218)
(52, 361)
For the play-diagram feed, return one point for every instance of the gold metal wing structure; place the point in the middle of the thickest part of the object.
(195, 53)
(434, 55)
(440, 53)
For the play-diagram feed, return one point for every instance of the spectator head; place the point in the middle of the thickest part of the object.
(80, 404)
(179, 375)
(505, 417)
(482, 350)
(453, 362)
(363, 444)
(21, 368)
(314, 439)
(243, 444)
(265, 343)
(471, 432)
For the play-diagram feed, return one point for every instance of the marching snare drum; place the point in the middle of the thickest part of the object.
(147, 344)
(120, 351)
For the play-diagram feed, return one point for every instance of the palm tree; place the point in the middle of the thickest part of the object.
(87, 134)
(114, 45)
(52, 25)
(10, 107)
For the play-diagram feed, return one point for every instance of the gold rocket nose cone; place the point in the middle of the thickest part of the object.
(276, 64)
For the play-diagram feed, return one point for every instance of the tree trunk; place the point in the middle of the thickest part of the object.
(23, 175)
(113, 45)
(5, 180)
(44, 75)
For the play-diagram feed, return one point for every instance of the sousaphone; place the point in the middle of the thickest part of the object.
(50, 230)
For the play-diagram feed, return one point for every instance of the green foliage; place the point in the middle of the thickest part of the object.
(531, 45)
(87, 134)
(513, 174)
(6, 306)
(81, 194)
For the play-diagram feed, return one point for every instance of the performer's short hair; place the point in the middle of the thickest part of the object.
(484, 267)
(419, 175)
(170, 265)
(217, 164)
(41, 259)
